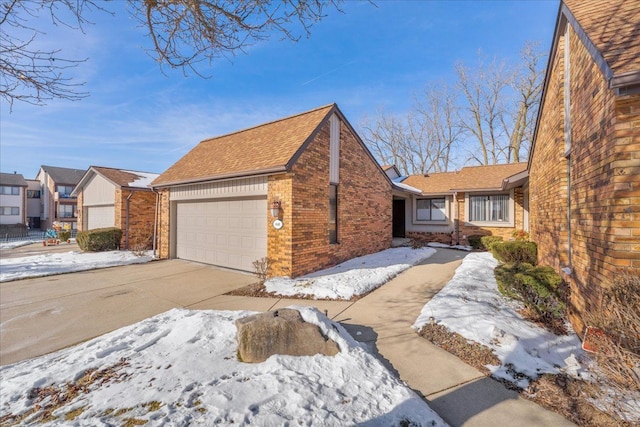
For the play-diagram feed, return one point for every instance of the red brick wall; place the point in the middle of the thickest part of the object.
(142, 205)
(364, 208)
(164, 215)
(279, 242)
(604, 189)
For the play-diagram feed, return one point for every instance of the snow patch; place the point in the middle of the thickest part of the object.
(201, 382)
(354, 277)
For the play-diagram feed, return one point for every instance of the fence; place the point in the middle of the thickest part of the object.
(26, 235)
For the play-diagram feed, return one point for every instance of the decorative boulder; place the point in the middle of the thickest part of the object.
(280, 332)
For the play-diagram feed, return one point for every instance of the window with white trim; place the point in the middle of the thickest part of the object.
(10, 190)
(9, 211)
(431, 209)
(489, 208)
(66, 211)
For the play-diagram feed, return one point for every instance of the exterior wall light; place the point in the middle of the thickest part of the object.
(275, 209)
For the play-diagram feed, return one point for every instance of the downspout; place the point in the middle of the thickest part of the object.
(456, 206)
(155, 222)
(126, 235)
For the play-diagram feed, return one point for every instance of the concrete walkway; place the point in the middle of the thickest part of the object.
(459, 393)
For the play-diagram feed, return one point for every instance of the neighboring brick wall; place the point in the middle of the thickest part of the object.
(604, 185)
(364, 208)
(625, 208)
(164, 227)
(279, 242)
(142, 205)
(80, 211)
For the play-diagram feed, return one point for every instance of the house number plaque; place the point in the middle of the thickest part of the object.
(278, 224)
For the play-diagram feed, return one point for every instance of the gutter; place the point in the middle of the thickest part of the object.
(227, 176)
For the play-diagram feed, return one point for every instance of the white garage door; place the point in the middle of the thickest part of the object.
(228, 233)
(100, 217)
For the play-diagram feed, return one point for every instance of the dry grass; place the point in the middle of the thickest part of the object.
(618, 343)
(46, 400)
(474, 354)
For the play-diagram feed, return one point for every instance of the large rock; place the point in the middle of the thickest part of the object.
(280, 332)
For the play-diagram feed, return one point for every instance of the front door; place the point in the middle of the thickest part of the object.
(398, 217)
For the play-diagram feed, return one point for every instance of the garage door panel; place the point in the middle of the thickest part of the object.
(229, 233)
(100, 217)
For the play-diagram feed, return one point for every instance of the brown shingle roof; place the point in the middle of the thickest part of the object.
(124, 178)
(613, 26)
(265, 148)
(467, 179)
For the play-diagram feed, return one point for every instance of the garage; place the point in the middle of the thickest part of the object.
(100, 217)
(229, 233)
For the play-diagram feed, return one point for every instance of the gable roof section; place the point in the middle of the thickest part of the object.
(470, 178)
(119, 177)
(64, 175)
(267, 148)
(12, 179)
(611, 32)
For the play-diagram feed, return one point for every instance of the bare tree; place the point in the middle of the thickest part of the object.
(183, 33)
(388, 138)
(187, 32)
(421, 141)
(438, 118)
(519, 121)
(28, 73)
(483, 91)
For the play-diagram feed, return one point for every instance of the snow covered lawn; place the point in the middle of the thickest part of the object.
(180, 368)
(354, 277)
(471, 305)
(65, 262)
(16, 244)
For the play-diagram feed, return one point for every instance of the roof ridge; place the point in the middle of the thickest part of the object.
(269, 123)
(499, 164)
(121, 170)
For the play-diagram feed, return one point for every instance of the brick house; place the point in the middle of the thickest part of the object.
(109, 197)
(450, 206)
(584, 167)
(13, 199)
(57, 205)
(303, 191)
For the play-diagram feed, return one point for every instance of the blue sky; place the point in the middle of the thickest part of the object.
(368, 57)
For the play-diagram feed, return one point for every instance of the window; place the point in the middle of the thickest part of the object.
(489, 208)
(9, 210)
(66, 211)
(10, 191)
(65, 191)
(333, 214)
(431, 210)
(33, 194)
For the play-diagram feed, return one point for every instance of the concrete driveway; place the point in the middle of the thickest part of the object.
(45, 314)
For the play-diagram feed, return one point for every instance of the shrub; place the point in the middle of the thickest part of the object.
(478, 241)
(539, 288)
(64, 235)
(100, 239)
(515, 252)
(488, 241)
(261, 267)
